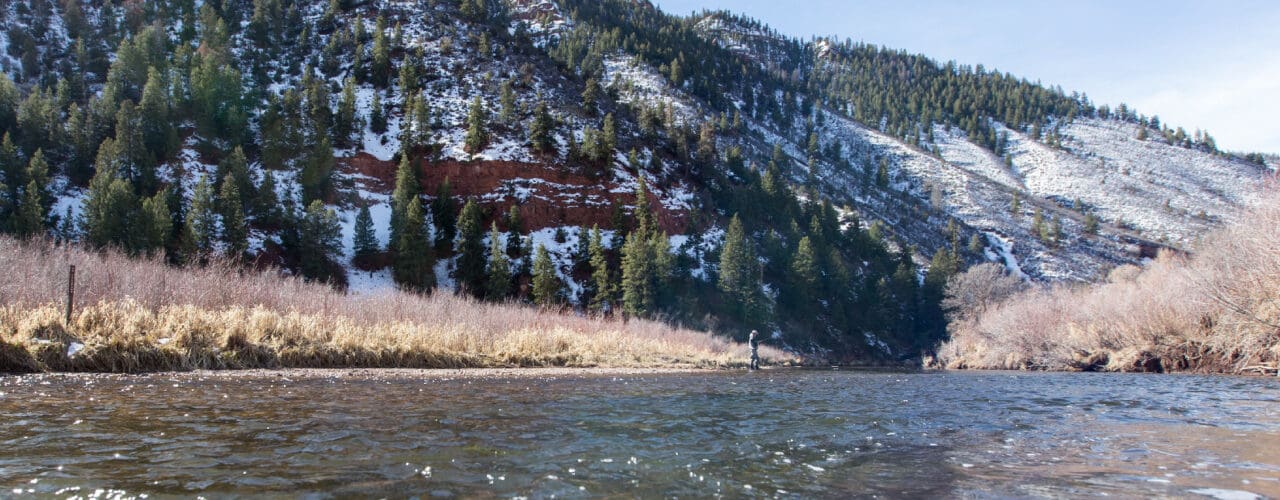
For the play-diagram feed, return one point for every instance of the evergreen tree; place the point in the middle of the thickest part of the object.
(344, 121)
(267, 204)
(540, 130)
(507, 103)
(591, 96)
(365, 241)
(235, 168)
(316, 177)
(477, 134)
(608, 137)
(638, 296)
(414, 267)
(381, 67)
(471, 260)
(157, 222)
(499, 272)
(319, 243)
(377, 115)
(135, 163)
(546, 288)
(601, 278)
(29, 216)
(235, 232)
(1091, 224)
(740, 274)
(202, 222)
(804, 274)
(442, 212)
(405, 194)
(159, 134)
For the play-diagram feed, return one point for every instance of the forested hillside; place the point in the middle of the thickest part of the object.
(602, 156)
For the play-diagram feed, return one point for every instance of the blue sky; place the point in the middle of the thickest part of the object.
(1199, 64)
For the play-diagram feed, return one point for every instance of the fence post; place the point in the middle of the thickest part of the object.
(71, 291)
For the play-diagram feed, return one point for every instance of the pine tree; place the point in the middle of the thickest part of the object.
(135, 163)
(202, 222)
(235, 168)
(365, 241)
(1015, 207)
(344, 122)
(499, 271)
(638, 296)
(381, 68)
(158, 132)
(804, 272)
(29, 216)
(591, 97)
(643, 214)
(546, 285)
(319, 242)
(406, 193)
(515, 227)
(540, 130)
(471, 260)
(267, 204)
(157, 222)
(316, 177)
(477, 135)
(608, 137)
(740, 274)
(110, 212)
(601, 278)
(507, 102)
(377, 115)
(1091, 224)
(415, 262)
(1038, 228)
(442, 212)
(235, 233)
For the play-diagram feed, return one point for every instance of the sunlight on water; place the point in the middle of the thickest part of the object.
(793, 433)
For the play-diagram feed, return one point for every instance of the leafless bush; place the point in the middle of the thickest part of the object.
(972, 292)
(1218, 310)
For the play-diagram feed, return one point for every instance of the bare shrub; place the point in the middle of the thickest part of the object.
(972, 292)
(1217, 310)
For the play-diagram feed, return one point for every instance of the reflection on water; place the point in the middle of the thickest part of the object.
(782, 433)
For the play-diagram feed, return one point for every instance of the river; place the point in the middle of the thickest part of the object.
(778, 433)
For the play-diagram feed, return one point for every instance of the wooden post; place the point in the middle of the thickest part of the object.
(71, 291)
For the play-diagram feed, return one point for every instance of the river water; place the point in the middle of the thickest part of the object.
(768, 434)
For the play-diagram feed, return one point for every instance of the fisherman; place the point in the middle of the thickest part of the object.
(755, 350)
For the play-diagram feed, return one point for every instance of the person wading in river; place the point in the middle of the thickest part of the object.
(754, 340)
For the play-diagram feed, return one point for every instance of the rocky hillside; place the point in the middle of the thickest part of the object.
(854, 169)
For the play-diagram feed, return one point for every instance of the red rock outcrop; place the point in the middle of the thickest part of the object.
(548, 196)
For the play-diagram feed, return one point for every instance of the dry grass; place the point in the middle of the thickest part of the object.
(1215, 311)
(141, 315)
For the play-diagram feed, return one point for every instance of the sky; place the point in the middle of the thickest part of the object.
(1213, 65)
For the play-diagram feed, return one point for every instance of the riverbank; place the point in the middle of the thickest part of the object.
(391, 374)
(144, 316)
(1215, 310)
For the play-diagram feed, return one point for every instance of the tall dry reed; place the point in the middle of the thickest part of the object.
(1217, 310)
(142, 315)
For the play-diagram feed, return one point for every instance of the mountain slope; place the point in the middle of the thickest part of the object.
(862, 177)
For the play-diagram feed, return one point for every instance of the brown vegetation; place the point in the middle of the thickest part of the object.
(141, 315)
(1215, 311)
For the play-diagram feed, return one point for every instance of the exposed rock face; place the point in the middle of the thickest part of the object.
(548, 196)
